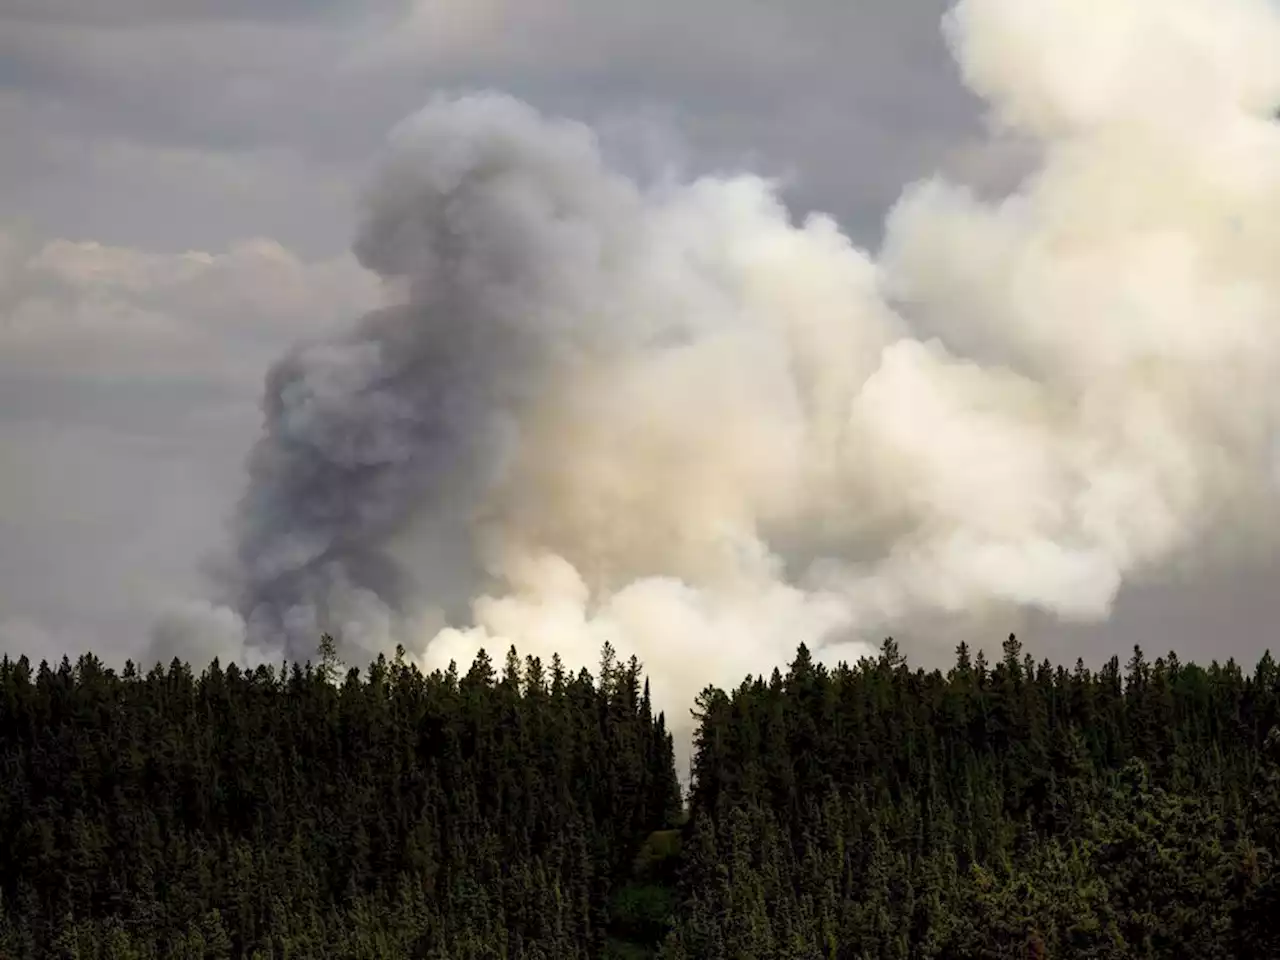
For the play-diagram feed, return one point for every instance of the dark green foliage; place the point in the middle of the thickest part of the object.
(1006, 810)
(1009, 812)
(304, 813)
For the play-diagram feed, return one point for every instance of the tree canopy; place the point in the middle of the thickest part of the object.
(1007, 810)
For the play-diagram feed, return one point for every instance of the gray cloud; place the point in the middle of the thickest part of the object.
(128, 390)
(124, 13)
(844, 98)
(185, 124)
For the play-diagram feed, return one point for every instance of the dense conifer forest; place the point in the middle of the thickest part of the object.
(871, 810)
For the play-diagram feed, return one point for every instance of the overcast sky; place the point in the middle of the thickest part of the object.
(177, 190)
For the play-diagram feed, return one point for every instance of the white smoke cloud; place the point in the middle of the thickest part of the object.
(675, 420)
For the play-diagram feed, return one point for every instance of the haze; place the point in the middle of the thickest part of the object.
(181, 184)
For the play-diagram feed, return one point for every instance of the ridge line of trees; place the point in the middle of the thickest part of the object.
(1011, 809)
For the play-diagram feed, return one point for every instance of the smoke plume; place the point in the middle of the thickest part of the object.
(671, 418)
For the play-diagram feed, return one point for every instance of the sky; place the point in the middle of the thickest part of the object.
(178, 188)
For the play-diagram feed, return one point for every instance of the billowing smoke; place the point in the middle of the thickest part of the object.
(674, 419)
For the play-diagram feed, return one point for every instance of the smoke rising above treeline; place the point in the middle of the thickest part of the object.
(672, 418)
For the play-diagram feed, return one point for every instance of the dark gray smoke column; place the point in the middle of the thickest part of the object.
(494, 226)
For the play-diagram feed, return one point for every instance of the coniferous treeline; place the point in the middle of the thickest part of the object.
(1011, 810)
(291, 813)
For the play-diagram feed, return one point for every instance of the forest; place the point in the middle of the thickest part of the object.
(1013, 809)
